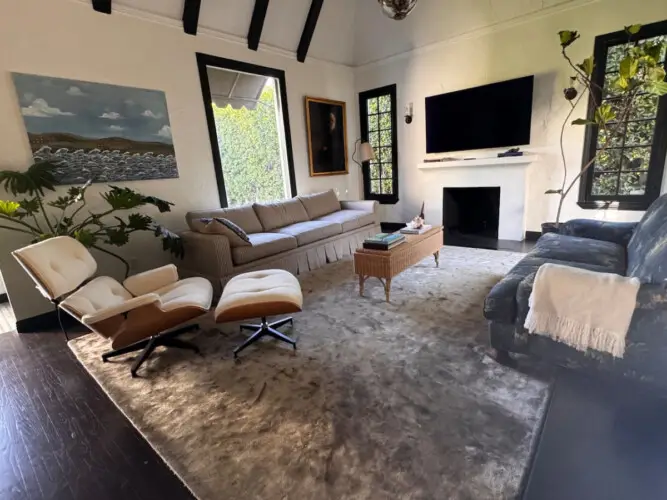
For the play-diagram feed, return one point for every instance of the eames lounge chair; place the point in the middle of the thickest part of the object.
(140, 314)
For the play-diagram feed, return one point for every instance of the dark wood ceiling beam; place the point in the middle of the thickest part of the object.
(103, 6)
(257, 23)
(191, 16)
(309, 30)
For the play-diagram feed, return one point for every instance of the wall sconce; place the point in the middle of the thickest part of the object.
(408, 113)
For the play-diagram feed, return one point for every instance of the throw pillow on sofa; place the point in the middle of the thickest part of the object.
(280, 213)
(237, 236)
(320, 204)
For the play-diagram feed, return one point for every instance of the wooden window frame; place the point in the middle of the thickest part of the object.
(390, 90)
(658, 147)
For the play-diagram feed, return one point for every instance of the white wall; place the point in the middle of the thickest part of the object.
(507, 50)
(64, 38)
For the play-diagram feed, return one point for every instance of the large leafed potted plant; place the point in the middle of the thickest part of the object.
(68, 216)
(639, 72)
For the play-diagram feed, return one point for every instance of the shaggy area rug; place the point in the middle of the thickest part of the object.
(381, 401)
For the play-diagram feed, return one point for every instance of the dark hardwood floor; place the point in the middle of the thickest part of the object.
(60, 435)
(601, 439)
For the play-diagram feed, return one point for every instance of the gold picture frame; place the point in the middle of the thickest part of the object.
(327, 140)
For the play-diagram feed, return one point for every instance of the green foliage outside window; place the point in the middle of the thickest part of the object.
(250, 151)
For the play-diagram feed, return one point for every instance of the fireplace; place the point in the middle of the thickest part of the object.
(470, 216)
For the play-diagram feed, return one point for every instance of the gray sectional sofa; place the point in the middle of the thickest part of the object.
(300, 234)
(628, 249)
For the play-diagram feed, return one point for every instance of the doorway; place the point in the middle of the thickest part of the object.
(248, 122)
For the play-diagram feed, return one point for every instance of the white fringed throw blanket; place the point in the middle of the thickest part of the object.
(583, 309)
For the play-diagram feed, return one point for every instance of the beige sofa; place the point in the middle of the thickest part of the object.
(298, 235)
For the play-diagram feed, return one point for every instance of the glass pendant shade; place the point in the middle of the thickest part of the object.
(397, 9)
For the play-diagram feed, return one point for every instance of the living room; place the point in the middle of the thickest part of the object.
(396, 390)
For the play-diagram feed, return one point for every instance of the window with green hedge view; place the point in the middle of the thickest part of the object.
(250, 150)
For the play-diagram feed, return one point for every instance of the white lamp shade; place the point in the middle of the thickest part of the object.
(366, 152)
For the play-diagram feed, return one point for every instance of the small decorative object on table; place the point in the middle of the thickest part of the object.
(416, 224)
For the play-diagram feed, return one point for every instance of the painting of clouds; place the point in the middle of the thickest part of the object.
(97, 131)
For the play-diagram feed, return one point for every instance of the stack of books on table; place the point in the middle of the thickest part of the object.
(383, 241)
(421, 230)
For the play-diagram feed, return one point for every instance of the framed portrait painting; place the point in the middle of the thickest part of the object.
(327, 136)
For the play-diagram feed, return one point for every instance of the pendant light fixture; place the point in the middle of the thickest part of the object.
(397, 9)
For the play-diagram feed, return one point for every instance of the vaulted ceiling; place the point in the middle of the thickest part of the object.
(378, 37)
(333, 38)
(352, 32)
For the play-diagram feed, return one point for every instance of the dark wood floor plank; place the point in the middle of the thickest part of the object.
(60, 435)
(602, 438)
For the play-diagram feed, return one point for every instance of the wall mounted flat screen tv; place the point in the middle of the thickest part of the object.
(492, 116)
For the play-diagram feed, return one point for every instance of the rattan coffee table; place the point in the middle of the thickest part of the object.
(386, 264)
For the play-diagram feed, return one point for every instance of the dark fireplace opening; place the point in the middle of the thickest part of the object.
(470, 216)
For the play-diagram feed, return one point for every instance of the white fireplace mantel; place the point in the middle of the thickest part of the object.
(480, 162)
(510, 174)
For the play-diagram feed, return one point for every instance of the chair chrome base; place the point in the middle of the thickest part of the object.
(264, 329)
(167, 339)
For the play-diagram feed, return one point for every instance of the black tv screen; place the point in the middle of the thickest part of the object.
(492, 116)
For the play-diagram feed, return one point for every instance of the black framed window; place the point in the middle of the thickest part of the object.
(377, 109)
(628, 175)
(242, 179)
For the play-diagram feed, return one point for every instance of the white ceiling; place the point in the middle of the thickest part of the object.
(378, 37)
(352, 32)
(333, 39)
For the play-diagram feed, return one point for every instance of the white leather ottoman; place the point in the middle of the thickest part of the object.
(260, 294)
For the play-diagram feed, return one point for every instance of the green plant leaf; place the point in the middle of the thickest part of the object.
(62, 202)
(583, 121)
(604, 114)
(123, 198)
(622, 83)
(35, 180)
(30, 206)
(553, 191)
(629, 67)
(64, 226)
(127, 199)
(656, 74)
(139, 222)
(657, 88)
(170, 241)
(587, 65)
(9, 208)
(633, 29)
(161, 205)
(77, 192)
(567, 38)
(87, 238)
(117, 237)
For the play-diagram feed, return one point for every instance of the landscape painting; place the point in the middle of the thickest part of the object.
(102, 132)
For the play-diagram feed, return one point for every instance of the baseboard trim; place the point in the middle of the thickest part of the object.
(391, 227)
(533, 235)
(47, 322)
(4, 298)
